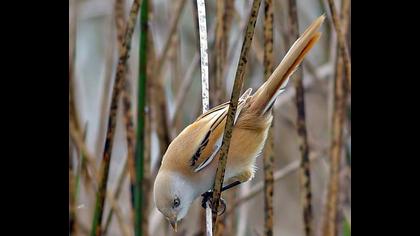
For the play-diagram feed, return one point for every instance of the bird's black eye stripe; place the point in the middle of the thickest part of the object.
(176, 202)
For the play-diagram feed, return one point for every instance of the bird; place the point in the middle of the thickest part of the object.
(189, 165)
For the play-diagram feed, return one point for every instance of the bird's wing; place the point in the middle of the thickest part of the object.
(212, 141)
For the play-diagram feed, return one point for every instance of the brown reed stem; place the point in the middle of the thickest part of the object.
(237, 87)
(116, 91)
(342, 42)
(268, 155)
(223, 22)
(304, 170)
(105, 96)
(116, 195)
(87, 158)
(126, 96)
(217, 91)
(172, 29)
(118, 215)
(336, 150)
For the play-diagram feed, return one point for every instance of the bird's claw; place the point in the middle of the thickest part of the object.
(207, 196)
(223, 205)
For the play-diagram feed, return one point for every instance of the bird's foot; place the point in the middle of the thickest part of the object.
(207, 196)
(222, 206)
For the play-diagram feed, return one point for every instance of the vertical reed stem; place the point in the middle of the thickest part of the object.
(305, 174)
(268, 159)
(237, 87)
(116, 91)
(336, 149)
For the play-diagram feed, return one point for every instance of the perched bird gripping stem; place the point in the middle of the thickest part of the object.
(188, 167)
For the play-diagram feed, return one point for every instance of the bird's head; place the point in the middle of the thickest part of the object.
(173, 195)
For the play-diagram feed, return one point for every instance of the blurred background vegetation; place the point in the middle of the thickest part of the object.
(174, 101)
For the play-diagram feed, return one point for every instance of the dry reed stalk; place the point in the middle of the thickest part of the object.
(75, 184)
(233, 47)
(237, 87)
(223, 24)
(226, 224)
(304, 170)
(175, 62)
(126, 95)
(116, 195)
(203, 40)
(218, 55)
(156, 112)
(342, 191)
(242, 213)
(151, 61)
(186, 83)
(209, 222)
(105, 97)
(116, 91)
(268, 155)
(196, 27)
(172, 29)
(77, 138)
(345, 173)
(125, 231)
(268, 162)
(129, 130)
(119, 17)
(340, 97)
(217, 91)
(73, 114)
(202, 27)
(85, 157)
(342, 42)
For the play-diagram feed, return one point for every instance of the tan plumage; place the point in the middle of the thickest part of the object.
(188, 166)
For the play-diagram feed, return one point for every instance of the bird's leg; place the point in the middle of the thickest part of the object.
(231, 185)
(207, 196)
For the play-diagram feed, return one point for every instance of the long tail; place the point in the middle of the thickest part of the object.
(265, 96)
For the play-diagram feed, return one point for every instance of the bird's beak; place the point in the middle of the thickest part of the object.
(173, 224)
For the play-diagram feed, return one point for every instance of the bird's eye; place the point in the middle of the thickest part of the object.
(176, 202)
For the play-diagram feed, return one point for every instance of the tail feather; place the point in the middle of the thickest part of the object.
(265, 96)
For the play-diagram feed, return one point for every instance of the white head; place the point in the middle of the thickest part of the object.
(173, 196)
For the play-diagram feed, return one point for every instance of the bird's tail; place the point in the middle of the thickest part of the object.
(265, 96)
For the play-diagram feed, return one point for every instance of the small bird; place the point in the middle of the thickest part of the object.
(189, 165)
